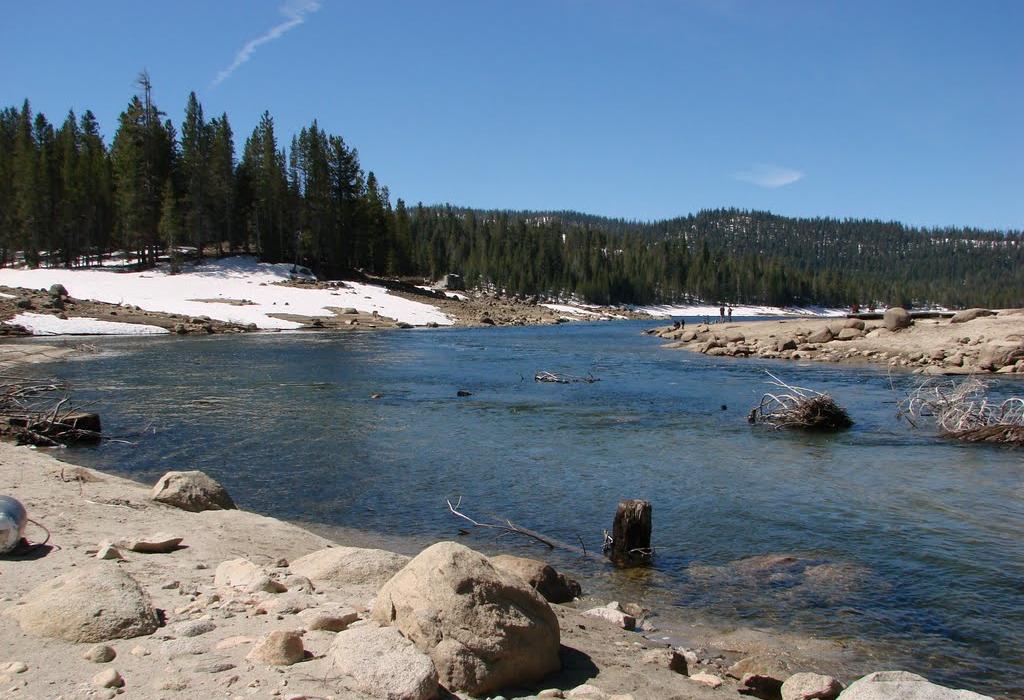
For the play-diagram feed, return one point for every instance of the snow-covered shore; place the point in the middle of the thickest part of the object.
(237, 290)
(711, 311)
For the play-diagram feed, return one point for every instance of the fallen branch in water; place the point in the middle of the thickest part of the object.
(800, 408)
(507, 527)
(963, 411)
(564, 378)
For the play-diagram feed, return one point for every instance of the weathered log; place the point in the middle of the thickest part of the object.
(630, 542)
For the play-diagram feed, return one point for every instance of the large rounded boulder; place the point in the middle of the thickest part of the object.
(192, 491)
(970, 314)
(96, 604)
(483, 629)
(889, 685)
(340, 566)
(541, 577)
(896, 318)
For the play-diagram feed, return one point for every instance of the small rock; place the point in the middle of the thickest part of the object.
(279, 648)
(287, 604)
(139, 651)
(298, 584)
(15, 667)
(106, 550)
(811, 686)
(159, 543)
(193, 628)
(587, 692)
(551, 693)
(109, 678)
(242, 573)
(666, 658)
(613, 614)
(328, 620)
(214, 666)
(100, 654)
(707, 679)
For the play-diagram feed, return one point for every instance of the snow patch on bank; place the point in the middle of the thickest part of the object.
(712, 311)
(229, 278)
(582, 310)
(43, 324)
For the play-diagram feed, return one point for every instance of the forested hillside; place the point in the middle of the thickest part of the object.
(67, 197)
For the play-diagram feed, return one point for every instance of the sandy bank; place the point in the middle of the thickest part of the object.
(207, 631)
(82, 508)
(929, 346)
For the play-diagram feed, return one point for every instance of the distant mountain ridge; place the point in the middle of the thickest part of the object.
(736, 255)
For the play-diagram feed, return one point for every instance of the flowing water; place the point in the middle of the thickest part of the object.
(881, 535)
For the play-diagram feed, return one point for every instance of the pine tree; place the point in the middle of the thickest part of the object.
(196, 144)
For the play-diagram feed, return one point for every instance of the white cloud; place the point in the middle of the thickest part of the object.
(770, 176)
(295, 13)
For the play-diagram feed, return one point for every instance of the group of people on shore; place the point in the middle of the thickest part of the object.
(724, 312)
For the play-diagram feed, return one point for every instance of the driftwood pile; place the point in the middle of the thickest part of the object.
(39, 412)
(963, 411)
(797, 407)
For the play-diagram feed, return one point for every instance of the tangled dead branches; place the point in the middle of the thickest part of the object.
(800, 408)
(964, 411)
(35, 412)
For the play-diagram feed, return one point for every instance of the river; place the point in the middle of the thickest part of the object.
(882, 534)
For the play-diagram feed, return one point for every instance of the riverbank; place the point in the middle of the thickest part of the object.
(209, 627)
(83, 508)
(992, 342)
(239, 294)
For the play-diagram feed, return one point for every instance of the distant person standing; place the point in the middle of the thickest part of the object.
(730, 314)
(721, 314)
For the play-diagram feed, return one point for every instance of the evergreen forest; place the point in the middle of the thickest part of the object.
(70, 198)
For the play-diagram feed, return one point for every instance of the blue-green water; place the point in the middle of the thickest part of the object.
(897, 538)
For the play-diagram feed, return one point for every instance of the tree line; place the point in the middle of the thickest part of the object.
(67, 199)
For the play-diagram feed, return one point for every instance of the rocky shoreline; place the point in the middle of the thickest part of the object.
(469, 309)
(976, 341)
(171, 592)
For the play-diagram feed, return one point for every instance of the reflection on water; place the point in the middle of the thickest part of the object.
(880, 533)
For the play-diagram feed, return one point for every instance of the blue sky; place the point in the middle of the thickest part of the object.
(645, 109)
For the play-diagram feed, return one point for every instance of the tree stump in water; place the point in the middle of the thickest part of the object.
(630, 543)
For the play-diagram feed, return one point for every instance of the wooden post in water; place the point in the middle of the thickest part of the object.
(630, 543)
